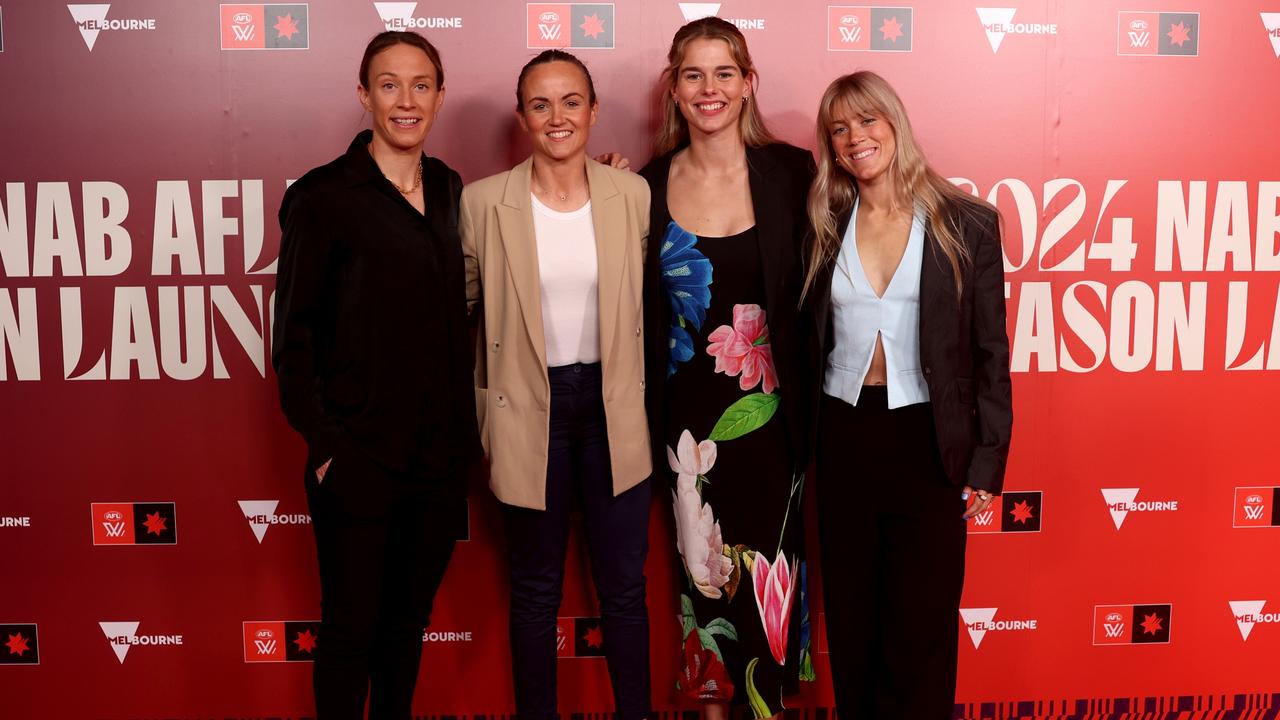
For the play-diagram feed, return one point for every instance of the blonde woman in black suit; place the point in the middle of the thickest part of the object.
(905, 296)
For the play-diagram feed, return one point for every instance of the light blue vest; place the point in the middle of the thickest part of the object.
(858, 315)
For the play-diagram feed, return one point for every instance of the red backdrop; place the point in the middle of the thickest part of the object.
(1130, 145)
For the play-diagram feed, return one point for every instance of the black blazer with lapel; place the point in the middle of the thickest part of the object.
(370, 343)
(779, 176)
(964, 350)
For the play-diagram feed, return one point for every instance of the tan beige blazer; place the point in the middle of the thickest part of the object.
(513, 397)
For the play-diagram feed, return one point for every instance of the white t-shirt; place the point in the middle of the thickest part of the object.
(568, 270)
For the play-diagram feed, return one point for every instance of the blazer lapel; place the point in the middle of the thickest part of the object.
(609, 220)
(515, 225)
(937, 289)
(770, 233)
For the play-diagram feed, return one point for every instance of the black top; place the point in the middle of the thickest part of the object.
(370, 342)
(779, 177)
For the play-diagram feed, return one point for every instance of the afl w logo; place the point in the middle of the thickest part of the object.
(1012, 512)
(1255, 507)
(1157, 33)
(154, 523)
(1131, 624)
(850, 29)
(571, 25)
(1139, 33)
(265, 27)
(877, 29)
(280, 640)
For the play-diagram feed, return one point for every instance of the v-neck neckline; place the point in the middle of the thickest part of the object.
(857, 257)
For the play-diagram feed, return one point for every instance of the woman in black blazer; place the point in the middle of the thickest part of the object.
(904, 297)
(372, 354)
(725, 382)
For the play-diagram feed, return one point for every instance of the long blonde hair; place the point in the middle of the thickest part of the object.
(674, 131)
(946, 208)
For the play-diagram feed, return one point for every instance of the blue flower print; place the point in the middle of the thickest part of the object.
(679, 347)
(686, 275)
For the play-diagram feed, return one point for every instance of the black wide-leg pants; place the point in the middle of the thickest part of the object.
(383, 541)
(892, 550)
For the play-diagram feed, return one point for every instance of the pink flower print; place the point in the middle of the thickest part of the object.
(743, 350)
(774, 590)
(698, 535)
(692, 458)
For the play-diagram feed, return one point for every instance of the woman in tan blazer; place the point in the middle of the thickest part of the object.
(554, 252)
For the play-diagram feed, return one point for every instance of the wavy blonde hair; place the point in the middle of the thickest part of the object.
(946, 208)
(674, 131)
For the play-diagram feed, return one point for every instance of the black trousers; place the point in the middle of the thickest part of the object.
(617, 543)
(893, 541)
(380, 568)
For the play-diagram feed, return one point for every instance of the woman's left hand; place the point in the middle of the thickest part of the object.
(614, 160)
(979, 501)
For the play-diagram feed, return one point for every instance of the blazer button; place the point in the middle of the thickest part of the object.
(928, 371)
(641, 384)
(502, 402)
(496, 345)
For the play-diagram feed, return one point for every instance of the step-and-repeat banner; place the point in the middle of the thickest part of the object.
(156, 558)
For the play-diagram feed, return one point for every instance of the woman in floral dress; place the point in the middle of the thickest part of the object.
(721, 307)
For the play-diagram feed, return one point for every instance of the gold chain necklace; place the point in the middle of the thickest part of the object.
(417, 179)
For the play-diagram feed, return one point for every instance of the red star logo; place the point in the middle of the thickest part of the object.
(591, 26)
(155, 523)
(17, 644)
(1021, 512)
(891, 29)
(305, 641)
(286, 26)
(1179, 34)
(1151, 624)
(594, 637)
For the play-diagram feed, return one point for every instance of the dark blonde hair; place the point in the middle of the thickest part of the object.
(674, 131)
(946, 208)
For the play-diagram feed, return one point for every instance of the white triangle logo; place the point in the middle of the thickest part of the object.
(254, 509)
(1245, 608)
(998, 18)
(96, 15)
(697, 11)
(390, 12)
(1118, 500)
(977, 616)
(1272, 22)
(114, 630)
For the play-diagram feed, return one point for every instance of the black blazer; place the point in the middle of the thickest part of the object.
(370, 343)
(964, 350)
(779, 176)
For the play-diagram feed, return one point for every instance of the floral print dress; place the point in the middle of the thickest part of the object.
(737, 502)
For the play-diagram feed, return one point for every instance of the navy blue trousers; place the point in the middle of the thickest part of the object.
(617, 543)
